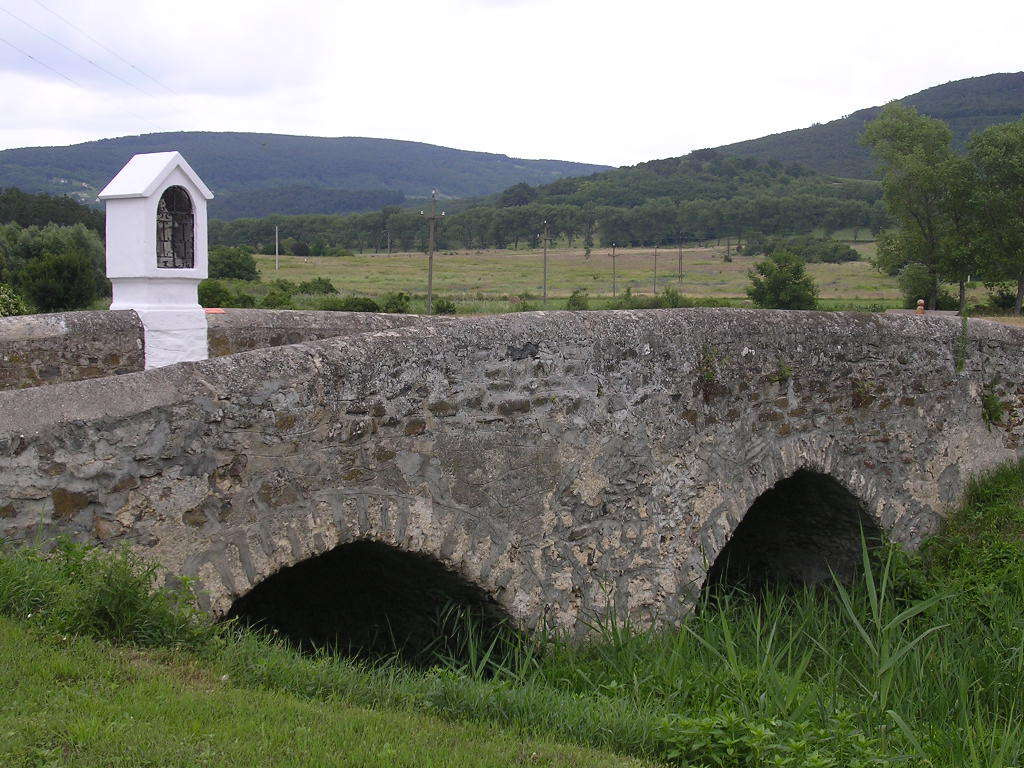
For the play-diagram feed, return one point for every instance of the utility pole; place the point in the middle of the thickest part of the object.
(680, 264)
(432, 220)
(655, 270)
(614, 281)
(277, 253)
(545, 263)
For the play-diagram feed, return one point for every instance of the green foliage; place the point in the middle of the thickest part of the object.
(243, 300)
(213, 293)
(277, 298)
(396, 303)
(444, 307)
(318, 285)
(281, 285)
(917, 282)
(577, 300)
(235, 263)
(728, 740)
(39, 210)
(60, 281)
(992, 408)
(112, 596)
(19, 246)
(348, 304)
(782, 282)
(11, 303)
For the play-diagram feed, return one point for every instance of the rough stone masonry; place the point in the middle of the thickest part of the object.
(566, 462)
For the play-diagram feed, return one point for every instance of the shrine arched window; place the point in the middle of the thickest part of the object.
(175, 230)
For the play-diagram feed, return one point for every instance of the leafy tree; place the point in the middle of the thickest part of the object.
(300, 248)
(60, 281)
(997, 155)
(519, 194)
(782, 282)
(235, 263)
(11, 303)
(914, 153)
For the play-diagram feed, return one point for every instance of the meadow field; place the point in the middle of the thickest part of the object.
(484, 281)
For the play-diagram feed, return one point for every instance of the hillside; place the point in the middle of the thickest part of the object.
(966, 105)
(237, 163)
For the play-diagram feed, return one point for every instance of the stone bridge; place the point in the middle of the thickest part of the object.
(566, 464)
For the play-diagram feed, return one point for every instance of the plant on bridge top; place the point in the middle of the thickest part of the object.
(992, 408)
(782, 282)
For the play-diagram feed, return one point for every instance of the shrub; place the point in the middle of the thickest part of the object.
(318, 285)
(782, 282)
(11, 303)
(915, 283)
(1002, 299)
(337, 250)
(811, 249)
(276, 299)
(348, 304)
(213, 293)
(395, 303)
(60, 281)
(577, 300)
(243, 300)
(444, 307)
(235, 263)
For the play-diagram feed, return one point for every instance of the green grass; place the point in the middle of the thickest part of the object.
(919, 663)
(484, 282)
(79, 702)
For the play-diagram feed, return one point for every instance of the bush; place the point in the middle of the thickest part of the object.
(782, 282)
(915, 283)
(276, 299)
(811, 249)
(213, 293)
(235, 263)
(577, 301)
(348, 304)
(60, 281)
(318, 285)
(11, 303)
(1002, 299)
(337, 250)
(444, 307)
(395, 303)
(243, 300)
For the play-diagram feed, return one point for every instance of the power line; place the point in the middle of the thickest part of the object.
(41, 63)
(76, 53)
(107, 48)
(70, 79)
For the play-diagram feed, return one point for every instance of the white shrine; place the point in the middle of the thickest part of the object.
(157, 252)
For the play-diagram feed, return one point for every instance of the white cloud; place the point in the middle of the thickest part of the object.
(589, 80)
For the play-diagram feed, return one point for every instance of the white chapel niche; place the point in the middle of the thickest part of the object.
(157, 252)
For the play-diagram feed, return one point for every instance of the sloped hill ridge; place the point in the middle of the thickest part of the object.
(832, 148)
(236, 162)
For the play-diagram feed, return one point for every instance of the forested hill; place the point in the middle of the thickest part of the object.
(833, 148)
(372, 171)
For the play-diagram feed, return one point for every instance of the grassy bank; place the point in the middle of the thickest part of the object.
(919, 663)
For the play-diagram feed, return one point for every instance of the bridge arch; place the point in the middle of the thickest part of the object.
(797, 532)
(367, 598)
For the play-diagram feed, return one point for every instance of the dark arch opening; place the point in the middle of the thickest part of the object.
(175, 230)
(370, 600)
(797, 533)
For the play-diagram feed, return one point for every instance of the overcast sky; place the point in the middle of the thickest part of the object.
(603, 82)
